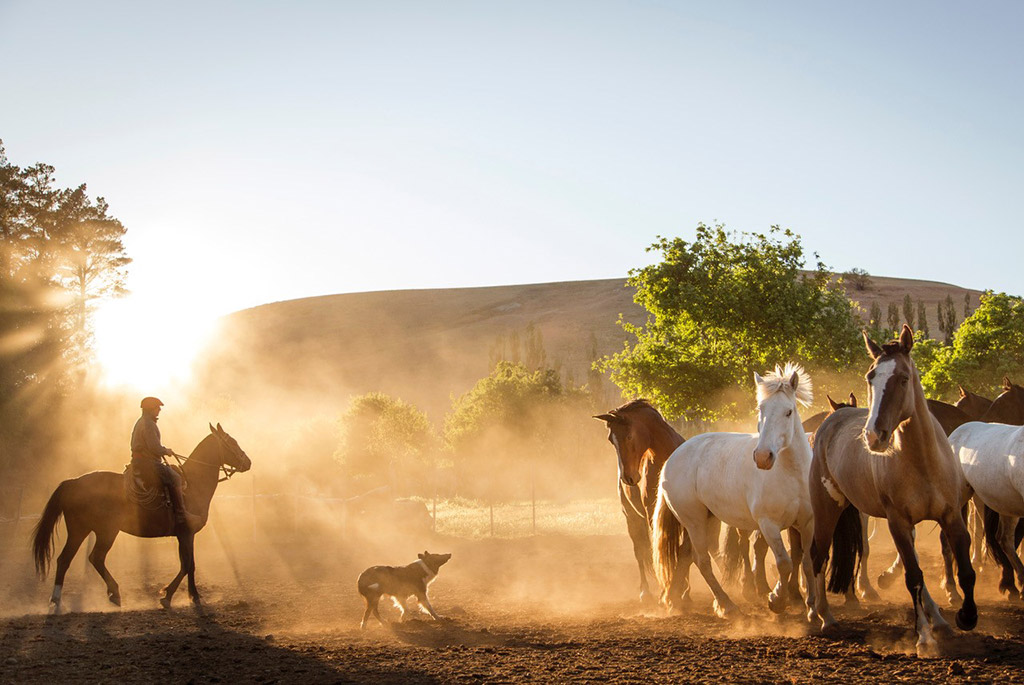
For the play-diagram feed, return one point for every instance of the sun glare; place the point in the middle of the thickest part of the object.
(146, 347)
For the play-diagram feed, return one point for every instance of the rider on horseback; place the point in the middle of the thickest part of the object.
(147, 461)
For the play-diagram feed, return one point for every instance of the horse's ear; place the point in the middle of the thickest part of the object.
(794, 380)
(961, 389)
(906, 338)
(1006, 383)
(832, 403)
(853, 400)
(607, 418)
(872, 347)
(420, 555)
(219, 429)
(757, 378)
(212, 429)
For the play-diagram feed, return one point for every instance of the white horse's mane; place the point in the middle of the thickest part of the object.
(778, 381)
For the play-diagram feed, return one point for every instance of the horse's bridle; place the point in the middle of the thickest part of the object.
(226, 469)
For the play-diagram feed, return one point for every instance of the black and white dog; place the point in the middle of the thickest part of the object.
(400, 583)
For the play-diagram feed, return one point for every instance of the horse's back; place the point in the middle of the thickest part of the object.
(716, 471)
(992, 458)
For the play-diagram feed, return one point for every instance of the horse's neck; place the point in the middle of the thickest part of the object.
(664, 442)
(916, 436)
(797, 455)
(202, 473)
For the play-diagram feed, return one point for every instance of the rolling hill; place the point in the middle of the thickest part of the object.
(427, 345)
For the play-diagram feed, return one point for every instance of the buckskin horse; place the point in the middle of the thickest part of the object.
(96, 502)
(891, 461)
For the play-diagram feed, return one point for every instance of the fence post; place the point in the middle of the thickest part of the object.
(533, 500)
(253, 481)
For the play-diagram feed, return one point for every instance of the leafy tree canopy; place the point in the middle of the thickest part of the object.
(381, 434)
(987, 346)
(724, 306)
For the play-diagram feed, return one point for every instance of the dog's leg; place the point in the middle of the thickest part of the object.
(426, 602)
(376, 611)
(366, 614)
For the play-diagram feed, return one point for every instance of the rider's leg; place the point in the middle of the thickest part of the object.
(172, 481)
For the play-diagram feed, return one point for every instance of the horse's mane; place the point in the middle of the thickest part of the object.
(778, 381)
(632, 405)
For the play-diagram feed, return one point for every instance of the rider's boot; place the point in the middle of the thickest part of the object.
(181, 515)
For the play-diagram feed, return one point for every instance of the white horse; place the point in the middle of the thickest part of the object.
(749, 481)
(992, 457)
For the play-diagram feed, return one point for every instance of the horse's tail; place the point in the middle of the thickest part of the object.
(42, 538)
(733, 555)
(847, 550)
(666, 539)
(990, 520)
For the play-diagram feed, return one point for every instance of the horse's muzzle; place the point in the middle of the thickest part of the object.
(877, 441)
(764, 459)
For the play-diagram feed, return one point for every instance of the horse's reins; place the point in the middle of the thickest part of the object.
(226, 469)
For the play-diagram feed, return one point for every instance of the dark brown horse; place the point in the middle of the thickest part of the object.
(972, 404)
(96, 502)
(1008, 407)
(643, 441)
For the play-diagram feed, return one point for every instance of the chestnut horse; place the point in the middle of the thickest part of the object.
(643, 441)
(891, 461)
(96, 502)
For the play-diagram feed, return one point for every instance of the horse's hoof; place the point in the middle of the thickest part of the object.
(114, 599)
(165, 602)
(869, 595)
(829, 626)
(196, 602)
(647, 599)
(725, 610)
(777, 603)
(852, 600)
(54, 609)
(885, 580)
(966, 620)
(927, 649)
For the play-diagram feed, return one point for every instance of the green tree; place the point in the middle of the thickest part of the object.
(860, 279)
(384, 440)
(893, 316)
(722, 307)
(947, 319)
(986, 347)
(506, 423)
(922, 319)
(875, 317)
(908, 310)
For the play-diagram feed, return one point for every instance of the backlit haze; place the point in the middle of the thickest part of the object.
(267, 152)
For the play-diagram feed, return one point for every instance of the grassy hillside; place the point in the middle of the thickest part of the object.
(426, 345)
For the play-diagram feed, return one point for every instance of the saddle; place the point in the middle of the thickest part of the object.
(137, 491)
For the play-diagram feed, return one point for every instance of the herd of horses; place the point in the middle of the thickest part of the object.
(902, 458)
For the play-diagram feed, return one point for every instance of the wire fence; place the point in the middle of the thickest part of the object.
(455, 516)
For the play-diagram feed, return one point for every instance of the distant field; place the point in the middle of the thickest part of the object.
(471, 520)
(426, 345)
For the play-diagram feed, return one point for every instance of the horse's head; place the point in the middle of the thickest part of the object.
(833, 406)
(892, 382)
(230, 453)
(1008, 407)
(973, 404)
(630, 437)
(778, 422)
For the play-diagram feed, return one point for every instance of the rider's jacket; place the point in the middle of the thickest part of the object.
(146, 439)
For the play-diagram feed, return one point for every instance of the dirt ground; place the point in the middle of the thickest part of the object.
(284, 608)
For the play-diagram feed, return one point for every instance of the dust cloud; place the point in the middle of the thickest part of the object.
(286, 540)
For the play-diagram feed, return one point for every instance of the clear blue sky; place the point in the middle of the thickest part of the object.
(267, 151)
